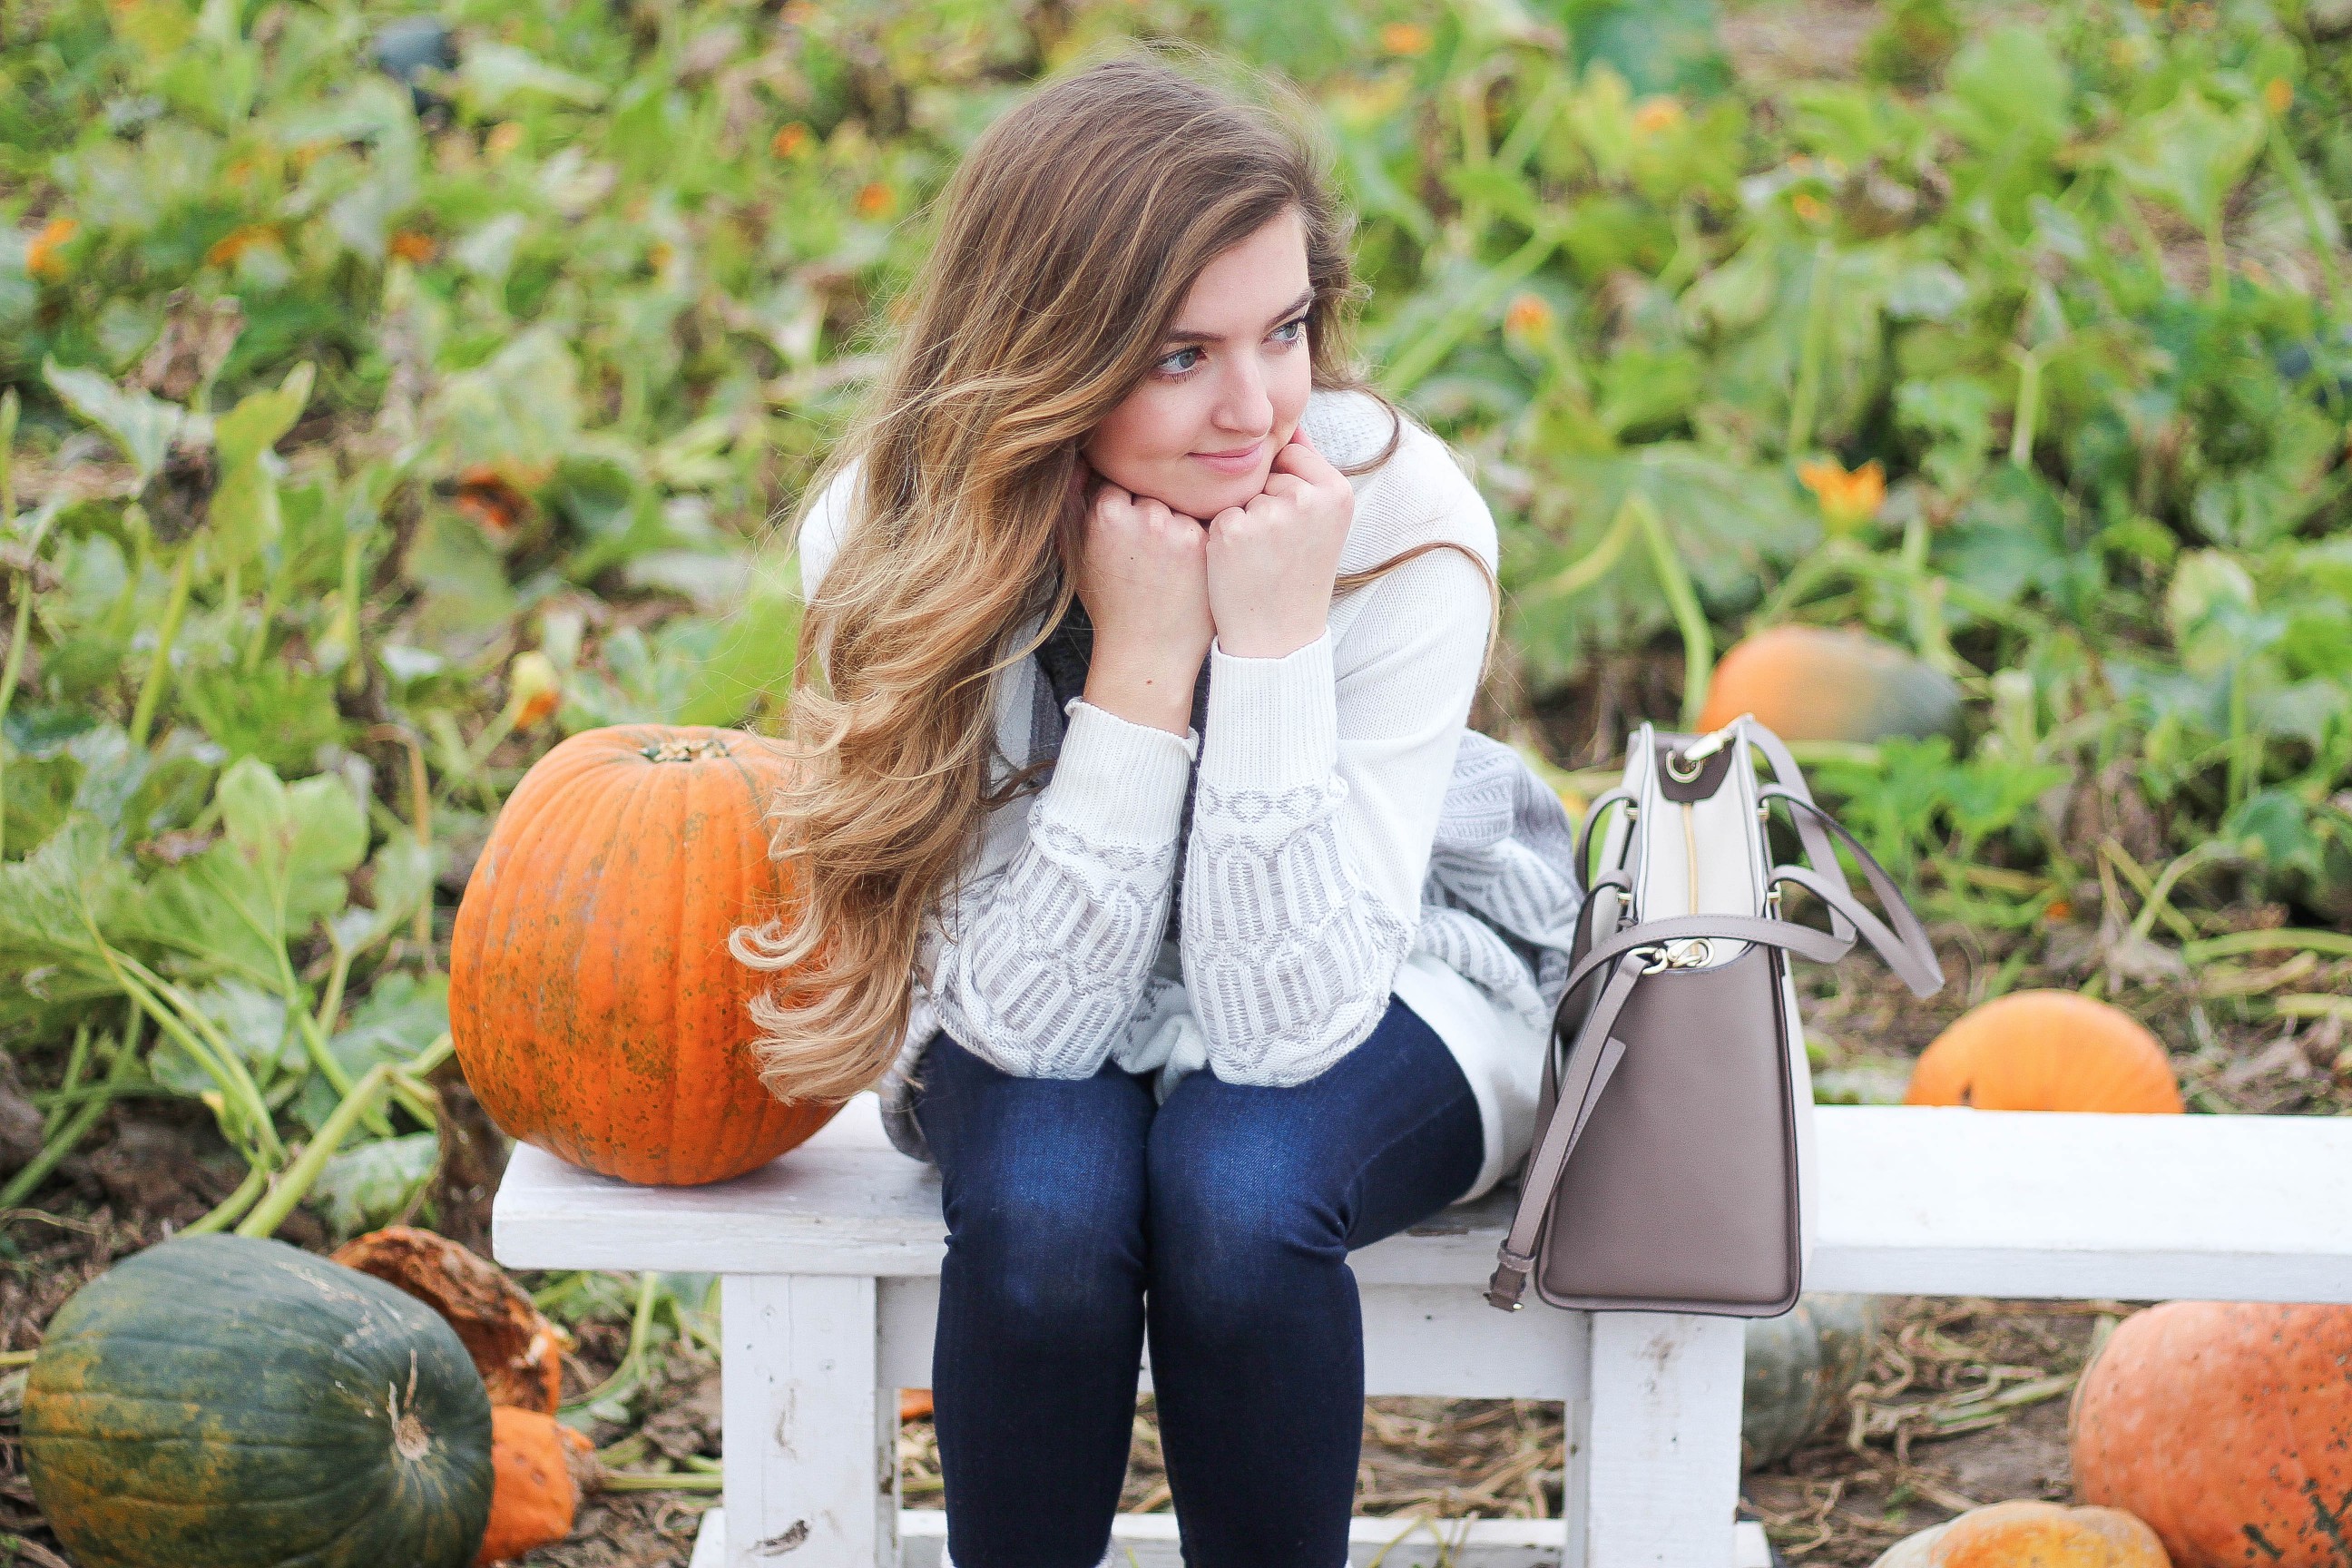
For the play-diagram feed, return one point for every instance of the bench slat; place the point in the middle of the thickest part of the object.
(1912, 1199)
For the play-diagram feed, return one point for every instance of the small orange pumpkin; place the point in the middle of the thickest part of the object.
(2228, 1427)
(592, 1000)
(1815, 683)
(2030, 1535)
(533, 1494)
(2046, 1050)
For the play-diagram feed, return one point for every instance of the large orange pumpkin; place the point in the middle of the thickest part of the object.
(2046, 1050)
(593, 1001)
(2226, 1425)
(2030, 1535)
(1815, 683)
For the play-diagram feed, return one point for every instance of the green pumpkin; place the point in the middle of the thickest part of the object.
(222, 1401)
(1799, 1366)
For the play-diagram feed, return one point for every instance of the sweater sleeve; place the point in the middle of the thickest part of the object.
(1037, 958)
(1049, 942)
(1319, 792)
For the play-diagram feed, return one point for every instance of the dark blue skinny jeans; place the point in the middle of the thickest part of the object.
(1082, 1215)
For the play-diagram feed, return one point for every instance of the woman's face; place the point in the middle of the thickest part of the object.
(1199, 431)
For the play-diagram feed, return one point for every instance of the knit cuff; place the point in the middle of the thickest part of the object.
(1273, 722)
(1120, 781)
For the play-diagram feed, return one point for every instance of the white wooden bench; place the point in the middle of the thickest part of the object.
(831, 1259)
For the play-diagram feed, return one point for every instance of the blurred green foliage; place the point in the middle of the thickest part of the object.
(361, 352)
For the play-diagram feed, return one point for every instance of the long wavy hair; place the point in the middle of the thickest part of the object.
(1065, 242)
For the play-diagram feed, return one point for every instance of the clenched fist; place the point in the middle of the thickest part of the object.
(1271, 561)
(1143, 578)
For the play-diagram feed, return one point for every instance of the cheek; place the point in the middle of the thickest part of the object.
(1153, 423)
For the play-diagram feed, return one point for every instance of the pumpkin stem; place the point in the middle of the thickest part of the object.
(680, 749)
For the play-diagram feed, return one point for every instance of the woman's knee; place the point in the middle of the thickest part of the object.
(1042, 1257)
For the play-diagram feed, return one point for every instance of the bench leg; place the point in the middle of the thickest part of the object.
(1654, 1468)
(811, 1439)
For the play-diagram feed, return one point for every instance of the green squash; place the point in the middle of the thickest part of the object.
(1799, 1366)
(224, 1401)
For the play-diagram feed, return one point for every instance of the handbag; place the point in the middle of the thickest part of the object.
(1673, 1172)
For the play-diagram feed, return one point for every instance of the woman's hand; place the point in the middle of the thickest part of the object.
(1271, 561)
(1143, 578)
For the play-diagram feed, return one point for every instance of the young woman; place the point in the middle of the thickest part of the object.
(1262, 972)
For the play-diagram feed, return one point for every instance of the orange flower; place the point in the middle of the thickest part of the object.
(413, 247)
(789, 139)
(534, 687)
(1652, 115)
(491, 500)
(2057, 911)
(2278, 95)
(1404, 39)
(1529, 316)
(876, 201)
(41, 258)
(1848, 499)
(503, 138)
(237, 241)
(1809, 206)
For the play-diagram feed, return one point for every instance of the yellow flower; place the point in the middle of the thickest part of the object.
(876, 201)
(1529, 316)
(658, 254)
(1809, 206)
(41, 258)
(2278, 95)
(503, 138)
(1406, 38)
(1848, 499)
(789, 139)
(1652, 115)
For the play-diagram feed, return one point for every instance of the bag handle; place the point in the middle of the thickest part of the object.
(1905, 947)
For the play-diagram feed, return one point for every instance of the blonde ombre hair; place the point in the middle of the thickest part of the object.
(1066, 240)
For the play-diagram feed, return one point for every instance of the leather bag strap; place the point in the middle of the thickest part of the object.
(1590, 1062)
(1905, 947)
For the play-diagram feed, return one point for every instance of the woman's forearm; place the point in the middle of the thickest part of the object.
(1054, 936)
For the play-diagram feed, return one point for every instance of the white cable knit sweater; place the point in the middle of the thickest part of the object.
(1350, 838)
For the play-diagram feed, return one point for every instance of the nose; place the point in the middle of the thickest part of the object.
(1243, 406)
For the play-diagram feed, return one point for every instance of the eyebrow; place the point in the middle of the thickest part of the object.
(1176, 334)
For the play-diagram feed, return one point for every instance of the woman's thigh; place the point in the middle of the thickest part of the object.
(1038, 1175)
(1385, 1137)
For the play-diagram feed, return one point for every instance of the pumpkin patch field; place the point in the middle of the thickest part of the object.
(402, 408)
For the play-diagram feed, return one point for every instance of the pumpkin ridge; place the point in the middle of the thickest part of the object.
(520, 881)
(622, 1000)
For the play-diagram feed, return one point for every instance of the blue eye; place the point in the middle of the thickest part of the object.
(1177, 354)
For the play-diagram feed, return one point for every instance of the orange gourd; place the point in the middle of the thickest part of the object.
(2226, 1425)
(593, 1001)
(1813, 683)
(2047, 1535)
(533, 1495)
(2046, 1050)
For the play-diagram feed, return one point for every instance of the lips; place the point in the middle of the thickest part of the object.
(1233, 462)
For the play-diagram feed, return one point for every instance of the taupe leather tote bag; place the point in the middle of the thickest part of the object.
(1672, 1167)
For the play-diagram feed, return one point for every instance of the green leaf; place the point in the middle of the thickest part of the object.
(141, 424)
(251, 1020)
(44, 944)
(261, 419)
(278, 866)
(362, 1188)
(2189, 155)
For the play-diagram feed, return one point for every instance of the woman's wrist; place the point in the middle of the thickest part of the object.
(1141, 692)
